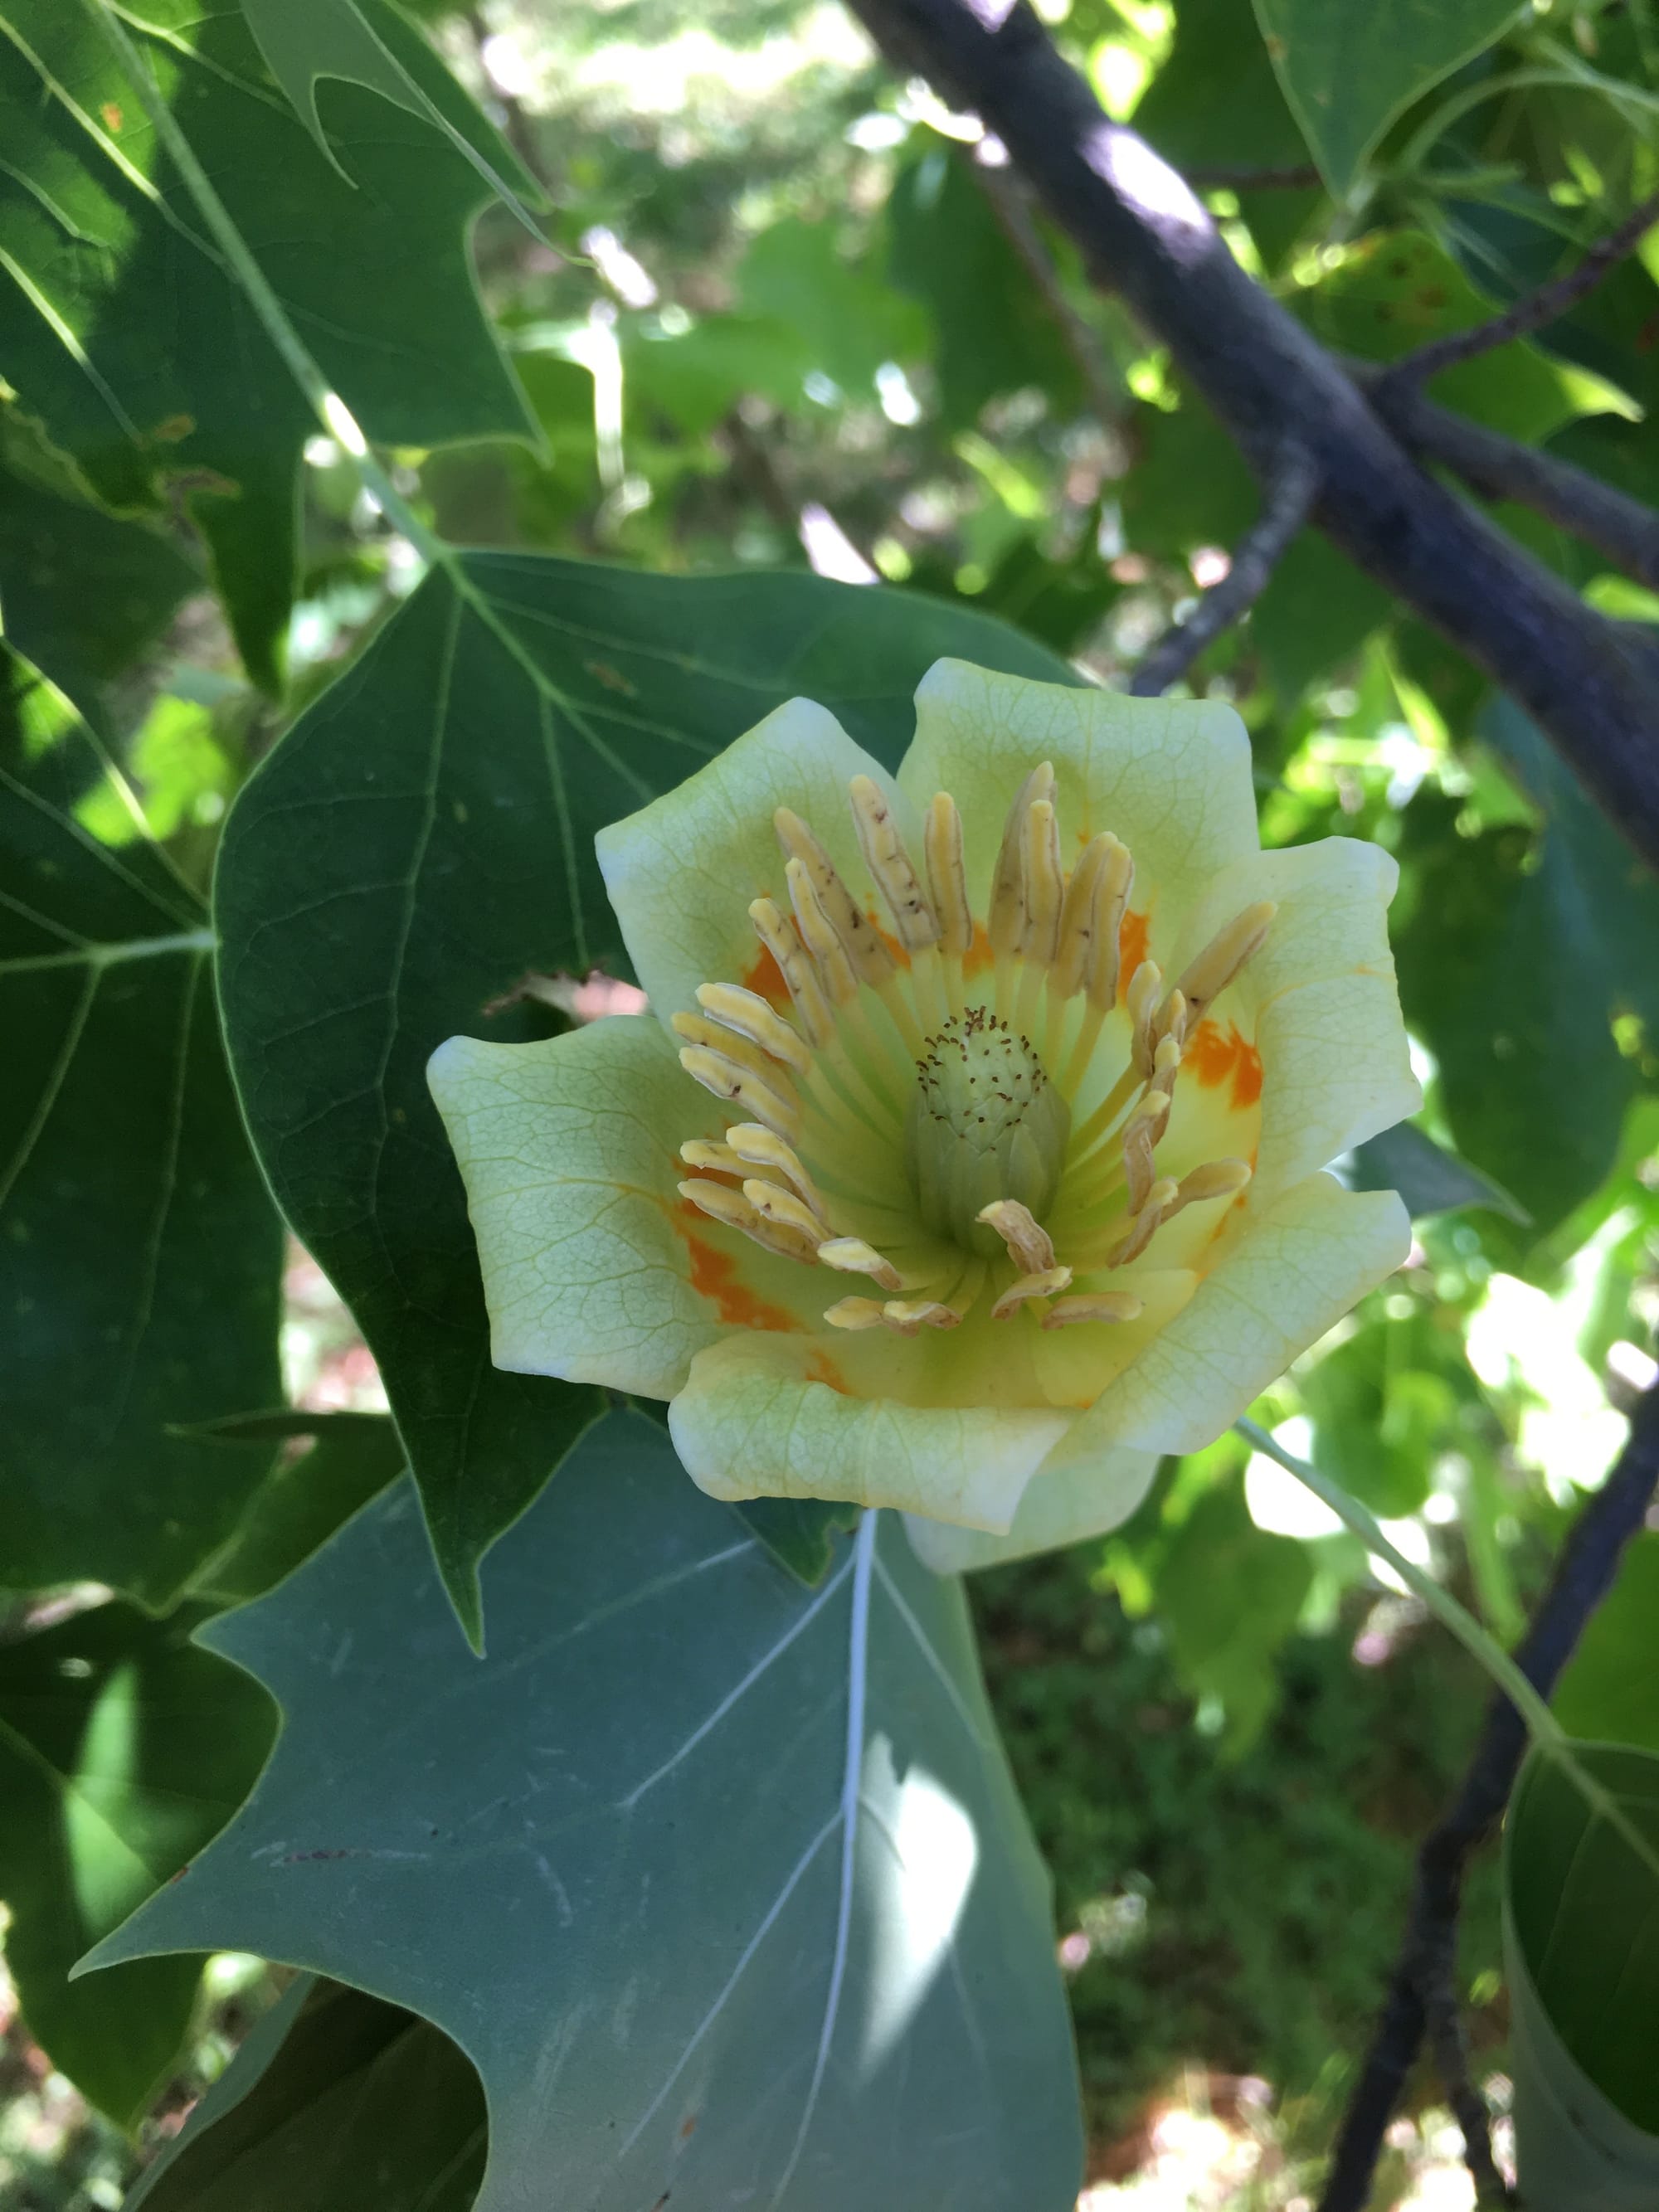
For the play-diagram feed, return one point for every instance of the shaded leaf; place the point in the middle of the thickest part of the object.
(140, 1257)
(123, 1748)
(1348, 71)
(720, 1883)
(422, 838)
(1610, 1691)
(344, 1460)
(1428, 1177)
(335, 2100)
(848, 321)
(96, 230)
(1229, 1594)
(1582, 1941)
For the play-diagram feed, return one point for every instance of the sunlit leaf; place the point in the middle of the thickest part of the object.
(720, 1882)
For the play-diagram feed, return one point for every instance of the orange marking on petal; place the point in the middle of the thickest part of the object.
(979, 956)
(1214, 1059)
(820, 1368)
(765, 977)
(900, 951)
(1132, 942)
(714, 1277)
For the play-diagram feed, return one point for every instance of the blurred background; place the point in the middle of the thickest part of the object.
(792, 311)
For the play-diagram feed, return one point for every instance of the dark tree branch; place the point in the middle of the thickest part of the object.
(1620, 527)
(1289, 498)
(1423, 1984)
(1546, 304)
(1145, 235)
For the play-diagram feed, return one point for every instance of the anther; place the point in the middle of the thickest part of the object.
(1215, 1179)
(737, 1085)
(1093, 1305)
(817, 1016)
(1006, 923)
(891, 866)
(1206, 977)
(1043, 890)
(734, 1211)
(701, 1152)
(1076, 920)
(851, 1255)
(783, 1209)
(1029, 1247)
(1141, 1004)
(908, 1315)
(747, 1014)
(947, 874)
(758, 1147)
(872, 962)
(1138, 1171)
(1042, 1285)
(1117, 878)
(1146, 1224)
(821, 937)
(854, 1313)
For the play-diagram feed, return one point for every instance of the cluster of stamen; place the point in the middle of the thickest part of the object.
(916, 1118)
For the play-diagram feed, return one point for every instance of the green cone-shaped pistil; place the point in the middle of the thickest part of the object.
(985, 1123)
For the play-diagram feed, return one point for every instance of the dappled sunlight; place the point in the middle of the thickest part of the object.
(916, 1871)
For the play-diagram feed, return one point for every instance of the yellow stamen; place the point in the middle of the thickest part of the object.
(740, 1086)
(1043, 892)
(851, 1255)
(783, 1209)
(816, 1015)
(1029, 1247)
(757, 1146)
(1077, 918)
(854, 1313)
(947, 874)
(908, 1315)
(1147, 1221)
(1138, 1169)
(1141, 1004)
(1042, 1285)
(731, 1208)
(700, 1152)
(747, 1014)
(1206, 977)
(1093, 1305)
(1111, 902)
(820, 936)
(872, 961)
(1006, 925)
(1215, 1179)
(891, 866)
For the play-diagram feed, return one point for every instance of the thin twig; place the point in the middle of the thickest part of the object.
(1290, 491)
(1546, 304)
(1011, 204)
(1424, 1980)
(1617, 525)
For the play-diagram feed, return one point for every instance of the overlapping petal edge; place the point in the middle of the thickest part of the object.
(596, 1269)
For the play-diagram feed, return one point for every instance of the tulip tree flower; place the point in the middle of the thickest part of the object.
(971, 1157)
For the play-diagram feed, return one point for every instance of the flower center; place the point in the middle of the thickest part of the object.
(899, 1123)
(984, 1123)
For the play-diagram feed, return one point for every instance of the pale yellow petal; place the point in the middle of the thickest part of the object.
(764, 1417)
(681, 874)
(1062, 1506)
(1169, 777)
(1294, 1273)
(594, 1269)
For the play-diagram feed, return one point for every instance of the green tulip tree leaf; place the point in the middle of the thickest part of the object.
(1347, 72)
(123, 1748)
(335, 2100)
(140, 1256)
(97, 230)
(1580, 1912)
(720, 1883)
(424, 836)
